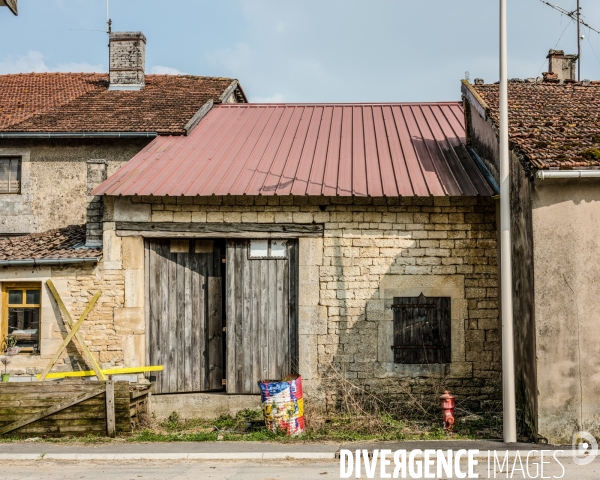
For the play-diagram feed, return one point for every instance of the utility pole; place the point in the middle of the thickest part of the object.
(578, 42)
(506, 290)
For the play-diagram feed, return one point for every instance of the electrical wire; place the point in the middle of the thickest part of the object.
(65, 29)
(592, 47)
(559, 39)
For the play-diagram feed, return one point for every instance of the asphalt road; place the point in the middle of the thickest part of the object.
(222, 470)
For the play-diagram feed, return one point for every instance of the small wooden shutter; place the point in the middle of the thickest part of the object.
(421, 330)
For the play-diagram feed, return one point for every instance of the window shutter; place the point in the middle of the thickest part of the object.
(421, 330)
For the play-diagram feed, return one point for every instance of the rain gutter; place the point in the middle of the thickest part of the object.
(32, 262)
(78, 134)
(550, 174)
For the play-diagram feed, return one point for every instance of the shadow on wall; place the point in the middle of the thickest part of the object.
(368, 269)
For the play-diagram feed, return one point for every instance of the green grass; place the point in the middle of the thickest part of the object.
(339, 428)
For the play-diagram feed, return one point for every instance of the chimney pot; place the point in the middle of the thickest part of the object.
(127, 52)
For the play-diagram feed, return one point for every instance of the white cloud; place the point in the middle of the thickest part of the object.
(162, 70)
(275, 98)
(34, 62)
(236, 58)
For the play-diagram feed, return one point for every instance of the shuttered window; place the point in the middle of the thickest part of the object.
(421, 330)
(10, 175)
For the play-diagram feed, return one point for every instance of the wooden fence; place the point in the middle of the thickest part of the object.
(69, 408)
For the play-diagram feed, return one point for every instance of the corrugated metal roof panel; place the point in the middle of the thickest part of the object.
(310, 149)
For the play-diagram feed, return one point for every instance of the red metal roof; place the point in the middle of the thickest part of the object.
(318, 149)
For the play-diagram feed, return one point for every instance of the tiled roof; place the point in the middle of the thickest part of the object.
(377, 150)
(65, 243)
(552, 125)
(81, 102)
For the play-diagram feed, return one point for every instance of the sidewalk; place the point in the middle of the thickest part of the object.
(247, 450)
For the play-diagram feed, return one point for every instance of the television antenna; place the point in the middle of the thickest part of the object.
(574, 15)
(108, 20)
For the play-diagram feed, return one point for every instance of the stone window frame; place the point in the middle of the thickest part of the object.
(11, 159)
(379, 310)
(25, 155)
(20, 285)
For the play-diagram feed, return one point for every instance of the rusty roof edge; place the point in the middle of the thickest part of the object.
(474, 98)
(199, 115)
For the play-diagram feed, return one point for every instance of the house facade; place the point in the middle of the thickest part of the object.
(555, 141)
(334, 241)
(62, 134)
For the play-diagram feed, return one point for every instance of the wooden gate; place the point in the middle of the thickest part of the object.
(67, 407)
(185, 325)
(261, 315)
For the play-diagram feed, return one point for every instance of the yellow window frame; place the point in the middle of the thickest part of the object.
(23, 286)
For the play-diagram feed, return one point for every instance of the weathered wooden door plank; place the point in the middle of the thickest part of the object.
(260, 322)
(215, 332)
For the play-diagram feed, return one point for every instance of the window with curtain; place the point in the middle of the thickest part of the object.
(10, 175)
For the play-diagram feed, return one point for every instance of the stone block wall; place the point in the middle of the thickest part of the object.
(372, 250)
(114, 329)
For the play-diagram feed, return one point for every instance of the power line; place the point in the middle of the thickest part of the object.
(574, 15)
(559, 39)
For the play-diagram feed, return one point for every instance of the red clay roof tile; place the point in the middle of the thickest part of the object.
(81, 102)
(552, 125)
(68, 242)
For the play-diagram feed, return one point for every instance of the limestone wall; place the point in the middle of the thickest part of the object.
(114, 329)
(373, 250)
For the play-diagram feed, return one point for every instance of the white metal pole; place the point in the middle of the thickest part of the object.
(508, 353)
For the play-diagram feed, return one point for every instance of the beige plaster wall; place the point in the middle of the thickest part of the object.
(54, 180)
(566, 232)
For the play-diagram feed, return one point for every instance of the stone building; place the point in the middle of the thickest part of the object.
(555, 204)
(61, 134)
(358, 239)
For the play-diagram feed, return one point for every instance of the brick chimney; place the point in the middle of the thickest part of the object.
(127, 51)
(561, 65)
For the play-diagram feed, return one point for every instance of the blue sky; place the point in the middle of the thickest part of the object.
(303, 51)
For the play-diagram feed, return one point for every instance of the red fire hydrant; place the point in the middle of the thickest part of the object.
(447, 404)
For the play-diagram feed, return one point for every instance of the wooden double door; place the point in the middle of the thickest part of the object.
(219, 316)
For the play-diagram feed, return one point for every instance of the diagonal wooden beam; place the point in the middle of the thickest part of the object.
(71, 334)
(86, 352)
(53, 409)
